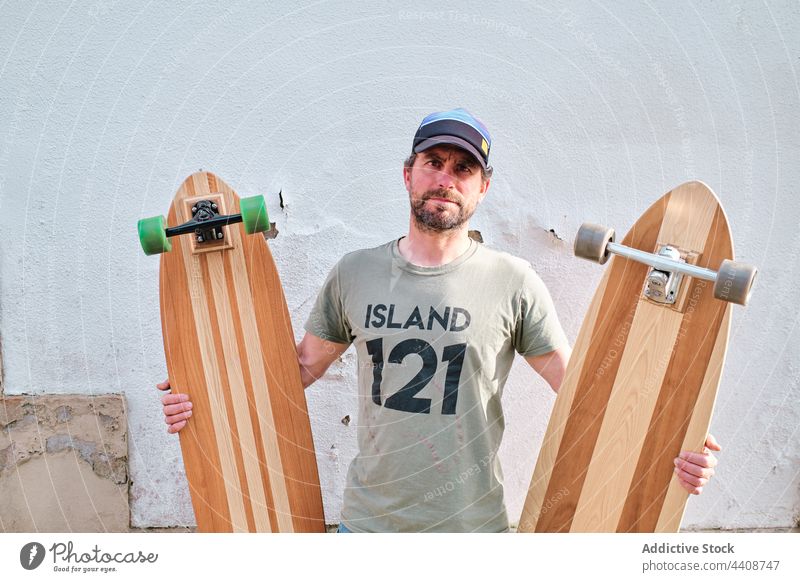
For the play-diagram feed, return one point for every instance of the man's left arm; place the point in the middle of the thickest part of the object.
(551, 366)
(692, 469)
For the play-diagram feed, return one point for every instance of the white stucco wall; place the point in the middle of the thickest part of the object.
(596, 108)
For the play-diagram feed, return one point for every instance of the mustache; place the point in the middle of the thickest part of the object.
(441, 193)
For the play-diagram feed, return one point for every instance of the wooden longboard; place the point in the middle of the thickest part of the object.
(640, 385)
(228, 341)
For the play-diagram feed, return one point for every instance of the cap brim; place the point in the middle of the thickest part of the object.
(450, 140)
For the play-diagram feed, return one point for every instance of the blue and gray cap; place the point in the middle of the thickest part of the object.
(457, 127)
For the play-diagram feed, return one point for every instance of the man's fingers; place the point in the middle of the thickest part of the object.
(706, 460)
(174, 398)
(696, 470)
(694, 485)
(177, 408)
(691, 479)
(690, 488)
(176, 418)
(173, 428)
(712, 443)
(173, 409)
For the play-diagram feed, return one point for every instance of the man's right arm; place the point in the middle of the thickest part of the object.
(314, 356)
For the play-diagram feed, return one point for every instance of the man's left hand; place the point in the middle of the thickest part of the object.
(695, 469)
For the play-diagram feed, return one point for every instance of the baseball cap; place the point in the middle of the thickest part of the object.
(457, 127)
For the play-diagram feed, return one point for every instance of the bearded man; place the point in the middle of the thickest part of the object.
(436, 319)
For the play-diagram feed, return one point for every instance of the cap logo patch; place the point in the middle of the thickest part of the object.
(485, 147)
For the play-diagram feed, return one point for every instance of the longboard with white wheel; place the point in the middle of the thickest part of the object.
(641, 383)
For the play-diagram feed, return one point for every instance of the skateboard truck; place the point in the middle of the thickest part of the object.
(206, 224)
(662, 286)
(733, 282)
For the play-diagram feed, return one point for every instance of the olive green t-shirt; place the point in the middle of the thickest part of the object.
(434, 347)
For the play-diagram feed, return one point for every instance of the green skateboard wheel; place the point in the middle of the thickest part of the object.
(152, 235)
(254, 214)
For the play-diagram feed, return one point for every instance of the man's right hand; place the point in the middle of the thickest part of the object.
(177, 408)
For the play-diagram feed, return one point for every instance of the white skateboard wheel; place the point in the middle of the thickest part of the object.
(734, 282)
(591, 242)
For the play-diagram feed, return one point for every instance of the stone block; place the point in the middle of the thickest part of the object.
(63, 464)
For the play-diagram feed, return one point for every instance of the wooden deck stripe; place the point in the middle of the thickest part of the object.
(599, 372)
(532, 508)
(630, 408)
(208, 185)
(204, 487)
(261, 502)
(240, 412)
(254, 413)
(201, 183)
(689, 217)
(213, 381)
(627, 418)
(263, 403)
(207, 489)
(670, 522)
(685, 374)
(287, 393)
(229, 406)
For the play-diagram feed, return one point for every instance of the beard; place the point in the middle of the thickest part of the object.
(442, 217)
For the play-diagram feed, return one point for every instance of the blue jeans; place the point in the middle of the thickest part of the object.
(343, 529)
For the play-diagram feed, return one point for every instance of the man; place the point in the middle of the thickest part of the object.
(436, 320)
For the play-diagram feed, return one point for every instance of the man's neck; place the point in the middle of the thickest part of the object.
(432, 249)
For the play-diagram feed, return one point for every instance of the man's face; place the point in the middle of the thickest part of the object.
(445, 186)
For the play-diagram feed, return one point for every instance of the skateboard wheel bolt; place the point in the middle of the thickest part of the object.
(220, 235)
(194, 208)
(214, 206)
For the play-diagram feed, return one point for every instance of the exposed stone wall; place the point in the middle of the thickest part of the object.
(63, 463)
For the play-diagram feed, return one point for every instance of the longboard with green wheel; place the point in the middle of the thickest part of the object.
(228, 342)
